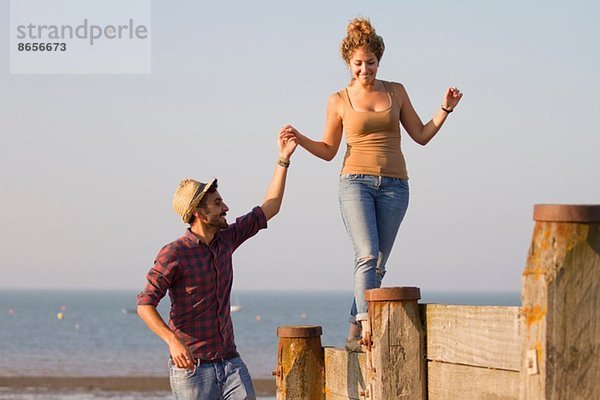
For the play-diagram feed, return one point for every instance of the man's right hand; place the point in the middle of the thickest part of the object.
(180, 354)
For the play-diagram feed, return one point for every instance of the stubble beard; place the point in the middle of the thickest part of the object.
(218, 224)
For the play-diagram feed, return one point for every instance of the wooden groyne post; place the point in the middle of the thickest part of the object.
(396, 364)
(561, 305)
(300, 369)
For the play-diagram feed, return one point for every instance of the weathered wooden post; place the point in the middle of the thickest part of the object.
(396, 361)
(561, 305)
(300, 363)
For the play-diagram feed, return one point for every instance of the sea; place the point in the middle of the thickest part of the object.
(98, 333)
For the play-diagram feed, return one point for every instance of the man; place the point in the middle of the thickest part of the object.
(197, 271)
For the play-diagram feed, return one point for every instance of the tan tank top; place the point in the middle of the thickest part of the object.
(373, 139)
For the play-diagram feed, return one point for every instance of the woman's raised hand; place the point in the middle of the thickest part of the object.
(289, 130)
(451, 98)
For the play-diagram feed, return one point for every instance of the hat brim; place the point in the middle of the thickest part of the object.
(200, 195)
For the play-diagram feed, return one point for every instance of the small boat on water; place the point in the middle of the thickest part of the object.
(128, 311)
(234, 304)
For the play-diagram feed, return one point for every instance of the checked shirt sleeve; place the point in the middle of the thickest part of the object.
(246, 226)
(160, 277)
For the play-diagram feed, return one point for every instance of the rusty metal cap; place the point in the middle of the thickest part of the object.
(299, 331)
(393, 294)
(566, 212)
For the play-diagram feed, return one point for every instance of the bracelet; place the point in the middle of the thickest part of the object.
(283, 162)
(448, 111)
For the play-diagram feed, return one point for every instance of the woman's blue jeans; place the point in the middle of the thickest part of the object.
(372, 209)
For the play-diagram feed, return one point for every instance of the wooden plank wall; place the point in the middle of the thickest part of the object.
(473, 352)
(345, 374)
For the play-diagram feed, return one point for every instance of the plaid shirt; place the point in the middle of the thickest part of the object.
(199, 279)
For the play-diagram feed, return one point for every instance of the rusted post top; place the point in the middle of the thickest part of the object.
(566, 212)
(301, 331)
(393, 293)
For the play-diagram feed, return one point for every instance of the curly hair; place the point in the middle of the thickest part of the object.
(361, 35)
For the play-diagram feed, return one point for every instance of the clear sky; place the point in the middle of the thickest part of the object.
(89, 163)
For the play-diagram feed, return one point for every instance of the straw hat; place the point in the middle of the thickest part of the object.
(188, 196)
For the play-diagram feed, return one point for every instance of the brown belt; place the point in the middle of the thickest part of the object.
(225, 357)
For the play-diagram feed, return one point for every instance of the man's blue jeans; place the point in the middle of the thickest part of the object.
(222, 380)
(372, 209)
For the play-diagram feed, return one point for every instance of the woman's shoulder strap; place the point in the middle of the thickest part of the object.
(389, 87)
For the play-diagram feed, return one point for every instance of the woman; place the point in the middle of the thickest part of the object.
(373, 186)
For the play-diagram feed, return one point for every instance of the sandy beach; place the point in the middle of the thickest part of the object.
(263, 387)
